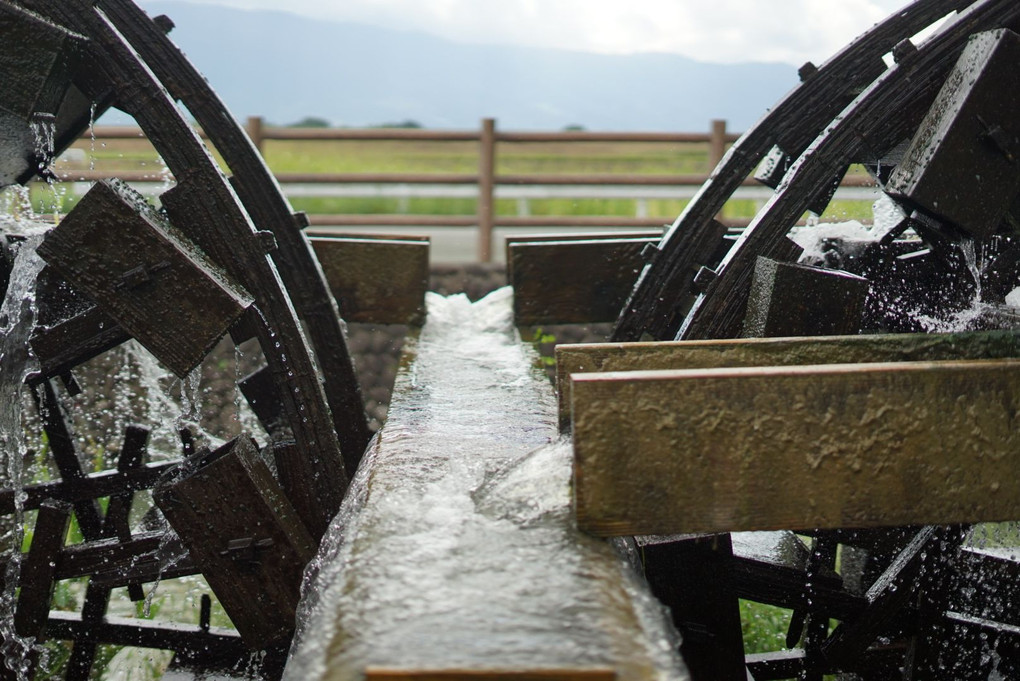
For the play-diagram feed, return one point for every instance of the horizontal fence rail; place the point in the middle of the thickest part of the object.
(486, 185)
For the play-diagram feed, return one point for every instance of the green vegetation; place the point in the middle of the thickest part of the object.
(422, 156)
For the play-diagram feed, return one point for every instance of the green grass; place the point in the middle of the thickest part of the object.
(413, 156)
(763, 626)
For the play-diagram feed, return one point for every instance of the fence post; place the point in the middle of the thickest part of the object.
(717, 143)
(254, 129)
(486, 184)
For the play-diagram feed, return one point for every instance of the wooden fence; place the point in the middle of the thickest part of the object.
(484, 185)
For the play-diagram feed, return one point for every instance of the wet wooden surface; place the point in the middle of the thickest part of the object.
(863, 445)
(962, 163)
(796, 300)
(575, 281)
(599, 357)
(376, 281)
(159, 288)
(383, 674)
(252, 548)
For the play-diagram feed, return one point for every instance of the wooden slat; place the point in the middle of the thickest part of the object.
(38, 574)
(573, 282)
(232, 515)
(599, 357)
(380, 281)
(788, 299)
(385, 674)
(968, 139)
(666, 452)
(118, 249)
(89, 487)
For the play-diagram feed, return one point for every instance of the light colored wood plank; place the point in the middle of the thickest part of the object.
(600, 357)
(383, 674)
(724, 450)
(376, 280)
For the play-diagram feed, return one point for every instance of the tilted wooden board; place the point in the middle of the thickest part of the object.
(725, 450)
(601, 357)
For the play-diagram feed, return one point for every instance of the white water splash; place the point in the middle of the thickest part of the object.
(17, 319)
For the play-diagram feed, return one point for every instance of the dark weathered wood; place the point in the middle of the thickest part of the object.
(962, 164)
(74, 341)
(89, 487)
(38, 572)
(783, 664)
(815, 624)
(663, 452)
(113, 562)
(238, 526)
(37, 59)
(156, 285)
(213, 216)
(799, 117)
(601, 357)
(885, 598)
(269, 210)
(147, 634)
(377, 281)
(787, 299)
(692, 578)
(988, 584)
(864, 129)
(786, 587)
(572, 282)
(65, 455)
(299, 491)
(934, 588)
(263, 396)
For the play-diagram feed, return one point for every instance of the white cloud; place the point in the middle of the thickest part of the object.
(792, 31)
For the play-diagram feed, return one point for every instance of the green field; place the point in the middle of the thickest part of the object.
(553, 158)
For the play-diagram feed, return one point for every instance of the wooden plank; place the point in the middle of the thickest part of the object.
(245, 535)
(691, 578)
(75, 340)
(599, 357)
(788, 299)
(378, 281)
(89, 487)
(961, 164)
(718, 450)
(158, 286)
(386, 674)
(142, 633)
(573, 282)
(38, 573)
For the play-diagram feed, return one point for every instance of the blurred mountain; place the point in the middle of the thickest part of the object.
(288, 68)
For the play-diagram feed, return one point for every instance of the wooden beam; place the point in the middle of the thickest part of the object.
(667, 452)
(244, 534)
(378, 281)
(38, 574)
(385, 674)
(158, 286)
(599, 357)
(961, 163)
(788, 299)
(573, 282)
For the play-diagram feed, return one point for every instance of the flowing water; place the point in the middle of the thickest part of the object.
(456, 547)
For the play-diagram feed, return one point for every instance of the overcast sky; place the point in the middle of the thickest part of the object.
(791, 31)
